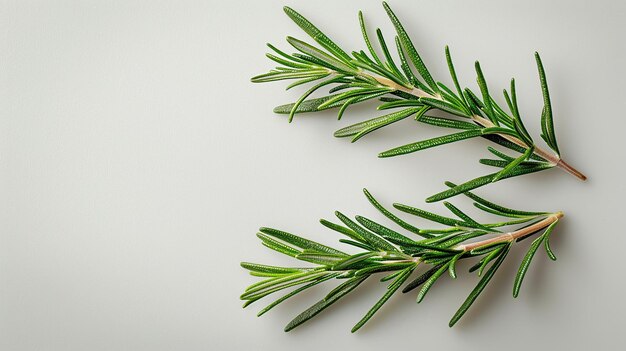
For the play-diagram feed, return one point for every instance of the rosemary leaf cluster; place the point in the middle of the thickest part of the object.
(405, 87)
(394, 258)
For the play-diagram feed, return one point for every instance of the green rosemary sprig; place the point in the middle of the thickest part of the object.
(397, 256)
(412, 91)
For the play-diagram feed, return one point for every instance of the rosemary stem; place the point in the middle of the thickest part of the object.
(548, 156)
(513, 235)
(571, 170)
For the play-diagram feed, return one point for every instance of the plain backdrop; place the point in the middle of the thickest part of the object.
(137, 162)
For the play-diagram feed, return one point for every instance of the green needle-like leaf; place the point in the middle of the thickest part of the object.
(408, 46)
(283, 75)
(343, 230)
(307, 80)
(255, 267)
(453, 74)
(294, 61)
(421, 279)
(385, 232)
(479, 287)
(390, 119)
(316, 34)
(359, 130)
(358, 244)
(320, 55)
(296, 292)
(429, 283)
(393, 217)
(277, 245)
(444, 106)
(269, 283)
(546, 241)
(452, 265)
(383, 268)
(367, 40)
(525, 264)
(287, 62)
(398, 238)
(490, 256)
(547, 125)
(279, 284)
(464, 217)
(404, 65)
(430, 216)
(398, 104)
(509, 211)
(401, 278)
(389, 64)
(448, 123)
(510, 145)
(502, 155)
(482, 84)
(314, 310)
(511, 166)
(448, 95)
(480, 181)
(354, 259)
(346, 104)
(320, 258)
(518, 124)
(299, 241)
(311, 105)
(294, 109)
(372, 239)
(425, 144)
(390, 276)
(346, 95)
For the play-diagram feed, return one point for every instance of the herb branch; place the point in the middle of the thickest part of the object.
(395, 256)
(409, 90)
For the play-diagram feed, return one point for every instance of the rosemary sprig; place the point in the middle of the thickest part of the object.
(412, 91)
(397, 256)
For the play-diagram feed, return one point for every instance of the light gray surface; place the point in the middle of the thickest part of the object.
(137, 162)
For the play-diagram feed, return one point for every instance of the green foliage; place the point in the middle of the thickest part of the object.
(480, 286)
(366, 76)
(359, 130)
(521, 273)
(408, 46)
(395, 255)
(486, 179)
(547, 125)
(395, 285)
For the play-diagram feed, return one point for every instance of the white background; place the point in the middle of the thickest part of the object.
(137, 162)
